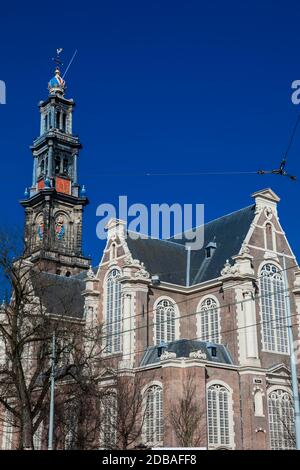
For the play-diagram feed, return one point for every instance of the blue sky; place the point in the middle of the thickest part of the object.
(180, 86)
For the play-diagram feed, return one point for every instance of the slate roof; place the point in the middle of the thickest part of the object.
(59, 294)
(183, 347)
(168, 258)
(163, 257)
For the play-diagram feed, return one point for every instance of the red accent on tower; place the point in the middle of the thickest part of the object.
(41, 184)
(63, 185)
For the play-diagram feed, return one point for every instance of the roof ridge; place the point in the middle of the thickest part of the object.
(214, 220)
(166, 240)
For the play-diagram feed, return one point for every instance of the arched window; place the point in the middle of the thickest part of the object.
(38, 437)
(71, 419)
(65, 166)
(57, 165)
(64, 121)
(109, 409)
(7, 430)
(58, 120)
(219, 416)
(113, 312)
(208, 321)
(165, 322)
(273, 312)
(153, 424)
(42, 167)
(281, 420)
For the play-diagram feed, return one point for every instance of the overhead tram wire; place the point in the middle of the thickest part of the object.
(256, 297)
(201, 295)
(201, 338)
(190, 173)
(191, 314)
(281, 170)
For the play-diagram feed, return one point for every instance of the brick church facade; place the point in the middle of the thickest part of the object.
(218, 316)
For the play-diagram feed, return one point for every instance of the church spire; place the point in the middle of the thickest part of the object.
(57, 84)
(54, 203)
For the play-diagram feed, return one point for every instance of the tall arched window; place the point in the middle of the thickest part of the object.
(281, 420)
(113, 312)
(7, 430)
(109, 409)
(208, 321)
(219, 416)
(165, 322)
(38, 437)
(273, 312)
(153, 424)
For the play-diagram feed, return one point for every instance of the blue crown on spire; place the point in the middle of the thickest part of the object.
(57, 83)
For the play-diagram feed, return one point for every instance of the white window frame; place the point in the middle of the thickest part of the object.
(7, 431)
(216, 431)
(274, 332)
(280, 439)
(109, 411)
(38, 437)
(212, 316)
(113, 314)
(157, 419)
(170, 329)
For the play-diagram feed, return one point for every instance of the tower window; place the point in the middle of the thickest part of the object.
(42, 167)
(46, 122)
(58, 120)
(64, 121)
(57, 165)
(66, 166)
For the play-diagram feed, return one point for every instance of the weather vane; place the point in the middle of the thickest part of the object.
(57, 58)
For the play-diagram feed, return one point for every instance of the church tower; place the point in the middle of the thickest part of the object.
(54, 204)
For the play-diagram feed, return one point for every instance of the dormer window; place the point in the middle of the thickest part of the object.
(210, 249)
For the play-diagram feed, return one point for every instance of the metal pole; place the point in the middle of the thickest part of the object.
(292, 358)
(51, 414)
(188, 266)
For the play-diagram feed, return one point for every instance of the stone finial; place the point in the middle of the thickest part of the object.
(228, 269)
(90, 274)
